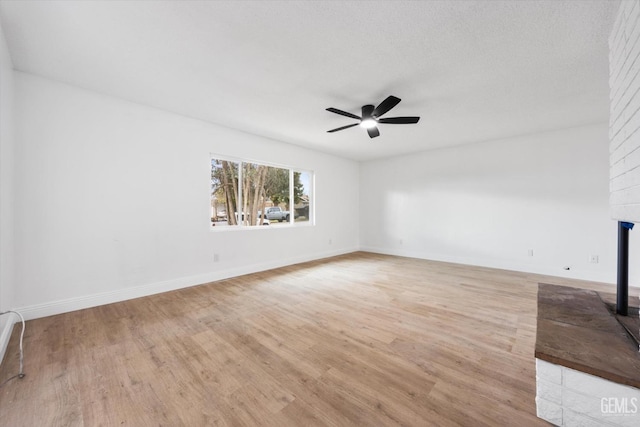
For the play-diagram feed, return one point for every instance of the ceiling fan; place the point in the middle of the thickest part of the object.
(371, 117)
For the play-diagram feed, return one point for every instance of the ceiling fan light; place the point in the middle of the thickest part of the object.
(368, 123)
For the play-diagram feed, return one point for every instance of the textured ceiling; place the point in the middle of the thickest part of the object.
(473, 71)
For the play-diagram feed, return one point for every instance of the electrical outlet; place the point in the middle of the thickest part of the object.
(216, 257)
(530, 252)
(593, 259)
(330, 241)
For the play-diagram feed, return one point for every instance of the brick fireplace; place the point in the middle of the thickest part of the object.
(587, 360)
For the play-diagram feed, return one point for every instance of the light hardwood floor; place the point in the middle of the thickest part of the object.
(360, 339)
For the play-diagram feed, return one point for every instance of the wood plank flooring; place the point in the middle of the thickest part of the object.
(361, 339)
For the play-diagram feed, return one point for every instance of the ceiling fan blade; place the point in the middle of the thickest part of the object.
(399, 120)
(367, 111)
(373, 132)
(386, 105)
(343, 113)
(343, 127)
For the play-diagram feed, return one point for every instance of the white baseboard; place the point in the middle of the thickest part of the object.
(78, 303)
(591, 276)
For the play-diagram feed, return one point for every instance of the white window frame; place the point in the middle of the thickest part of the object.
(292, 170)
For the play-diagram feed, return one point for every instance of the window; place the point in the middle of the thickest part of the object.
(249, 194)
(302, 195)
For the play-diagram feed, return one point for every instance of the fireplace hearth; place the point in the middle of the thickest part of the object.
(587, 358)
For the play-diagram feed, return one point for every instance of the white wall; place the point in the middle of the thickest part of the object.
(489, 203)
(6, 192)
(624, 132)
(112, 201)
